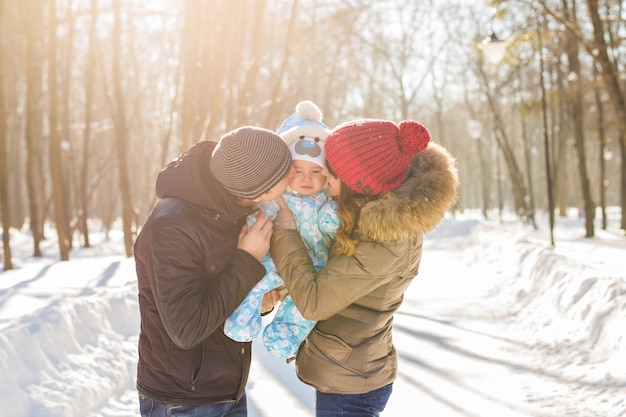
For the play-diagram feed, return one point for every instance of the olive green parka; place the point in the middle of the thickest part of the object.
(354, 298)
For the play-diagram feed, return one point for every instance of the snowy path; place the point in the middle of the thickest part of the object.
(451, 363)
(461, 355)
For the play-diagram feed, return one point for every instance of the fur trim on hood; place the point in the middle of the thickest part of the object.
(419, 203)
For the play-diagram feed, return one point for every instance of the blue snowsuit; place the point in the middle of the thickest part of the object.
(316, 221)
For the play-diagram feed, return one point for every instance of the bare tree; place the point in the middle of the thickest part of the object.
(90, 68)
(529, 169)
(66, 110)
(287, 49)
(190, 60)
(602, 145)
(32, 13)
(56, 173)
(121, 132)
(4, 174)
(611, 75)
(599, 48)
(505, 146)
(145, 81)
(577, 119)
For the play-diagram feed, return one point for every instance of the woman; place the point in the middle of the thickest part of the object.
(394, 185)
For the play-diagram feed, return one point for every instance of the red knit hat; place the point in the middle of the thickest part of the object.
(372, 156)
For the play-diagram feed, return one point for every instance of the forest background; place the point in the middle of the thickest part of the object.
(96, 96)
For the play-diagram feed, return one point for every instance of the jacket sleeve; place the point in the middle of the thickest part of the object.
(342, 281)
(192, 301)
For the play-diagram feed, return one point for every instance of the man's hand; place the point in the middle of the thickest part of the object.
(256, 239)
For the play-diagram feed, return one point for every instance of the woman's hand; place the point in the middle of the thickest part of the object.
(271, 298)
(284, 218)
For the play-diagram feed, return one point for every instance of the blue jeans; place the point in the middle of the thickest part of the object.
(369, 404)
(150, 408)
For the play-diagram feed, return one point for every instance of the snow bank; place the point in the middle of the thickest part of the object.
(570, 303)
(80, 347)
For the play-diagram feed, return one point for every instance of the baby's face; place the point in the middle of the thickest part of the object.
(307, 178)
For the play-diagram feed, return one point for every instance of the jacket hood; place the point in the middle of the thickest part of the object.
(189, 178)
(419, 203)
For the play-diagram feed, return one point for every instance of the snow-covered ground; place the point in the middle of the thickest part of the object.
(497, 324)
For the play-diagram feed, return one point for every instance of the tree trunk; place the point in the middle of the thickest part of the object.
(622, 148)
(121, 132)
(529, 172)
(484, 179)
(515, 175)
(56, 173)
(4, 172)
(549, 161)
(228, 44)
(33, 19)
(250, 83)
(561, 174)
(283, 66)
(67, 155)
(577, 119)
(611, 77)
(90, 69)
(602, 147)
(189, 61)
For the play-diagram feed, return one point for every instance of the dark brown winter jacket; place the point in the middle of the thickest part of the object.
(350, 350)
(191, 276)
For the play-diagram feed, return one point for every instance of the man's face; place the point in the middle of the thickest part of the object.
(277, 190)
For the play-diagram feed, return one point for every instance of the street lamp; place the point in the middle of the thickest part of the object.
(493, 48)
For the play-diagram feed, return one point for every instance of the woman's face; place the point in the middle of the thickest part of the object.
(334, 183)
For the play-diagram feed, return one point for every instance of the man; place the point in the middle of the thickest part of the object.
(196, 260)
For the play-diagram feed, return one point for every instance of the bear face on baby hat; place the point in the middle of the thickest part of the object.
(305, 133)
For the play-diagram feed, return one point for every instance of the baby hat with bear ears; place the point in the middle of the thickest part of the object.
(305, 133)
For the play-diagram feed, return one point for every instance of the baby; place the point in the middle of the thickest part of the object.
(315, 214)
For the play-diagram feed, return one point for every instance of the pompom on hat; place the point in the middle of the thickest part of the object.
(305, 133)
(372, 156)
(249, 161)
